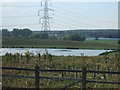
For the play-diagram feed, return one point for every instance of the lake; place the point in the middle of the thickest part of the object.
(57, 52)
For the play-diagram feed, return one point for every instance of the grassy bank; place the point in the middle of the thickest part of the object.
(109, 62)
(45, 43)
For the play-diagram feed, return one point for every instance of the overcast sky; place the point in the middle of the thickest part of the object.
(68, 15)
(60, 0)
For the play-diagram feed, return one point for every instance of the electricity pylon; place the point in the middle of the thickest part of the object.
(45, 19)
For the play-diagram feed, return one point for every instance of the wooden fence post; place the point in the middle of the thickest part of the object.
(37, 77)
(62, 74)
(84, 76)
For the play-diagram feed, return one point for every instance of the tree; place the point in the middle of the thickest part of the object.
(5, 33)
(65, 37)
(77, 37)
(21, 32)
(41, 36)
(26, 32)
(15, 32)
(53, 37)
(44, 36)
(73, 37)
(96, 38)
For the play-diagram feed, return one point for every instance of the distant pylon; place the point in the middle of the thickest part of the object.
(44, 16)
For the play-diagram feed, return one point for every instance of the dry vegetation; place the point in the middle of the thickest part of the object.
(107, 62)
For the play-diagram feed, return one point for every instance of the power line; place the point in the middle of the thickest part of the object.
(44, 20)
(20, 25)
(18, 16)
(75, 20)
(77, 14)
(17, 6)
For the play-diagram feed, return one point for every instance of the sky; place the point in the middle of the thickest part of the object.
(69, 15)
(61, 0)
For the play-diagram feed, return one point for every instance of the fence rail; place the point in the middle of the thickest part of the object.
(46, 70)
(82, 80)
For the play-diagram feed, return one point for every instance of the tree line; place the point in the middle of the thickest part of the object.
(74, 35)
(16, 32)
(27, 33)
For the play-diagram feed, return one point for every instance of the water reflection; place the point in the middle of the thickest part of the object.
(57, 52)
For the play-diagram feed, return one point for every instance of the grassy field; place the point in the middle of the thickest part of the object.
(107, 62)
(45, 43)
(104, 41)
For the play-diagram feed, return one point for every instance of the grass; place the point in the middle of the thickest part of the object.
(45, 43)
(107, 62)
(104, 41)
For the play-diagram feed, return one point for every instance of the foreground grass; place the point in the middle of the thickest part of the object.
(45, 43)
(107, 62)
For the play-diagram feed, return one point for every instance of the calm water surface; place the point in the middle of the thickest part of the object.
(57, 52)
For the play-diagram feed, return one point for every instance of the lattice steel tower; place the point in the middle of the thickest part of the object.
(44, 16)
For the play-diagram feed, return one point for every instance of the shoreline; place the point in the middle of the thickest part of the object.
(64, 48)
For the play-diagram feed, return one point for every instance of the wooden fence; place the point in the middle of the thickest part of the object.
(82, 80)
